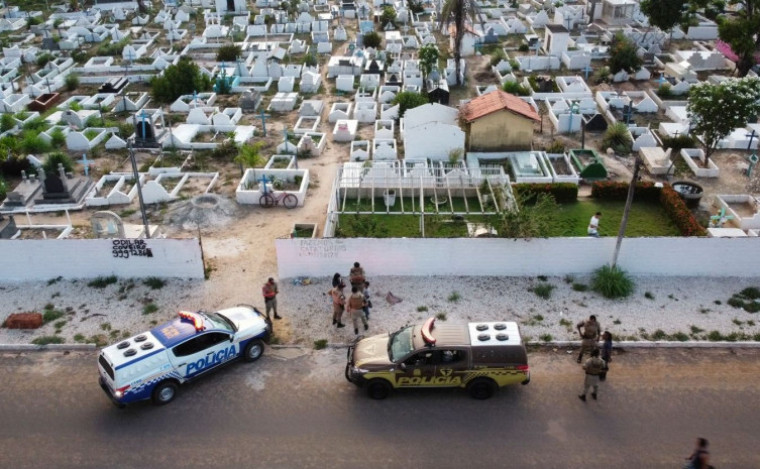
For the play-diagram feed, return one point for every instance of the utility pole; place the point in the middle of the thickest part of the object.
(139, 189)
(628, 202)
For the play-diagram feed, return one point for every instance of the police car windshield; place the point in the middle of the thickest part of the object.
(400, 344)
(223, 322)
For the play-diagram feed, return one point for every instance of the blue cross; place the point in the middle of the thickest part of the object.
(718, 220)
(661, 80)
(195, 97)
(86, 163)
(264, 122)
(264, 180)
(587, 69)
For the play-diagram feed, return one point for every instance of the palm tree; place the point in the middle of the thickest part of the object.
(457, 12)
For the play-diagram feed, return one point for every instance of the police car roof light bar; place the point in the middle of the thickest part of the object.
(194, 318)
(427, 335)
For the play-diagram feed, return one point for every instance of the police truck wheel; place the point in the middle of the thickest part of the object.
(481, 388)
(165, 393)
(378, 389)
(253, 350)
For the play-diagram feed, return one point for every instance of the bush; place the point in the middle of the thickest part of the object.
(48, 339)
(679, 213)
(54, 159)
(155, 283)
(623, 55)
(50, 315)
(408, 100)
(3, 188)
(523, 48)
(33, 143)
(543, 290)
(372, 39)
(102, 282)
(514, 87)
(609, 190)
(43, 59)
(561, 191)
(7, 122)
(664, 91)
(183, 78)
(150, 308)
(57, 138)
(71, 81)
(556, 147)
(388, 16)
(320, 344)
(618, 138)
(679, 142)
(580, 287)
(611, 282)
(228, 53)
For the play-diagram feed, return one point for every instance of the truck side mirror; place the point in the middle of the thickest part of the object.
(402, 366)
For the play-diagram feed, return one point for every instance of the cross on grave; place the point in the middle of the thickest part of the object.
(264, 180)
(661, 80)
(263, 117)
(587, 69)
(86, 163)
(130, 58)
(195, 98)
(752, 162)
(628, 113)
(751, 137)
(717, 221)
(574, 108)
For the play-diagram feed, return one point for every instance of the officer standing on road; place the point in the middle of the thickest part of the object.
(589, 335)
(339, 303)
(356, 304)
(593, 368)
(270, 291)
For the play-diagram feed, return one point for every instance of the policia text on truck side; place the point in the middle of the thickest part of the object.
(480, 357)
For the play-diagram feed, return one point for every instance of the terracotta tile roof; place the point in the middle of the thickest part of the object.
(494, 101)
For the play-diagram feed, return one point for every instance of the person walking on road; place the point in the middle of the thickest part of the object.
(339, 303)
(270, 291)
(700, 458)
(606, 353)
(356, 309)
(589, 335)
(356, 277)
(593, 225)
(593, 368)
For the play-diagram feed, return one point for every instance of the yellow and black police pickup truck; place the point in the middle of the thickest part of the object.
(480, 357)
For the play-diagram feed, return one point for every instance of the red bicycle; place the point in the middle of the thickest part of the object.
(270, 199)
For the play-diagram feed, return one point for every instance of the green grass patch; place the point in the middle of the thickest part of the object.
(422, 309)
(150, 308)
(580, 287)
(47, 339)
(612, 282)
(60, 324)
(102, 282)
(543, 290)
(320, 344)
(748, 299)
(454, 297)
(154, 283)
(546, 337)
(79, 338)
(441, 316)
(50, 315)
(648, 295)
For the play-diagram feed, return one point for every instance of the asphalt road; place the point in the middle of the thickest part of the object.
(301, 413)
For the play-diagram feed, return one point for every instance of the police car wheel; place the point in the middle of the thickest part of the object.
(253, 350)
(481, 388)
(165, 393)
(378, 389)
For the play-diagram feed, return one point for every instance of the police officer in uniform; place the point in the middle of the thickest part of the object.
(356, 309)
(593, 368)
(339, 304)
(356, 277)
(589, 335)
(270, 291)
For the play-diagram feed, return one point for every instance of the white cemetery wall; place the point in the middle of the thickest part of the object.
(36, 260)
(708, 257)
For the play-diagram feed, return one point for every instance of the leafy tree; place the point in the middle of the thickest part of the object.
(428, 55)
(54, 159)
(716, 110)
(415, 6)
(228, 53)
(533, 219)
(372, 39)
(618, 138)
(388, 16)
(456, 12)
(623, 55)
(408, 100)
(177, 80)
(250, 155)
(513, 87)
(663, 14)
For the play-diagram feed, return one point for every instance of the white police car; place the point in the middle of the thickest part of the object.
(152, 365)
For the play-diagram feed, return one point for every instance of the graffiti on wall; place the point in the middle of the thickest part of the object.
(324, 248)
(126, 248)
